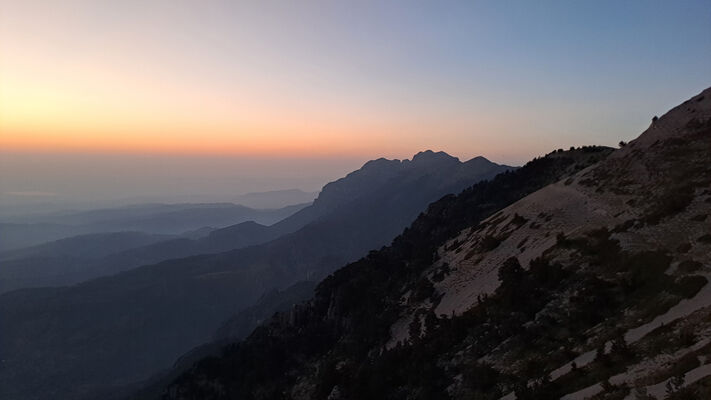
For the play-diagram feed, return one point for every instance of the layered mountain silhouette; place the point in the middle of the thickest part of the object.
(276, 198)
(166, 219)
(584, 274)
(458, 212)
(79, 258)
(67, 261)
(90, 339)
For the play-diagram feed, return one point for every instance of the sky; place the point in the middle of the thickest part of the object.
(107, 99)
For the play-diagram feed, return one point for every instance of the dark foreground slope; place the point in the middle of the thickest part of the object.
(80, 341)
(367, 286)
(595, 286)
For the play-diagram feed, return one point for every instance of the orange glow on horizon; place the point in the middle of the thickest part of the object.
(52, 103)
(100, 115)
(301, 147)
(44, 116)
(91, 110)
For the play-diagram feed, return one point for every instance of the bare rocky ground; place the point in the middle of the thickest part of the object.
(654, 194)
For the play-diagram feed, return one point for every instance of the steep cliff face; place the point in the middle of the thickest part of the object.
(595, 286)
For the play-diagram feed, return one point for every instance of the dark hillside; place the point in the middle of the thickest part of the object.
(594, 287)
(360, 300)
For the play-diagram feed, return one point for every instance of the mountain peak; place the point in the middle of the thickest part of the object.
(673, 124)
(378, 163)
(429, 156)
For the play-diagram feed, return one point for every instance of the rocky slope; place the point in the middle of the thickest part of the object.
(595, 286)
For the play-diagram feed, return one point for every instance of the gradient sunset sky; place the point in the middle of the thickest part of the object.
(341, 82)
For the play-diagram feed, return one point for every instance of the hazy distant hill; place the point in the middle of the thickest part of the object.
(176, 218)
(86, 246)
(78, 258)
(38, 268)
(594, 287)
(18, 235)
(276, 198)
(120, 329)
(66, 260)
(148, 218)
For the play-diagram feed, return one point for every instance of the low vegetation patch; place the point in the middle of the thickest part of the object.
(689, 266)
(672, 202)
(705, 238)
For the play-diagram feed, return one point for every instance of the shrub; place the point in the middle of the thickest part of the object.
(670, 203)
(423, 290)
(489, 242)
(699, 218)
(518, 220)
(441, 273)
(687, 337)
(688, 266)
(684, 247)
(705, 238)
(688, 286)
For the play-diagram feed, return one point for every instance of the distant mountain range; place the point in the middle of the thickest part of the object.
(582, 275)
(113, 331)
(166, 219)
(78, 258)
(276, 198)
(442, 219)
